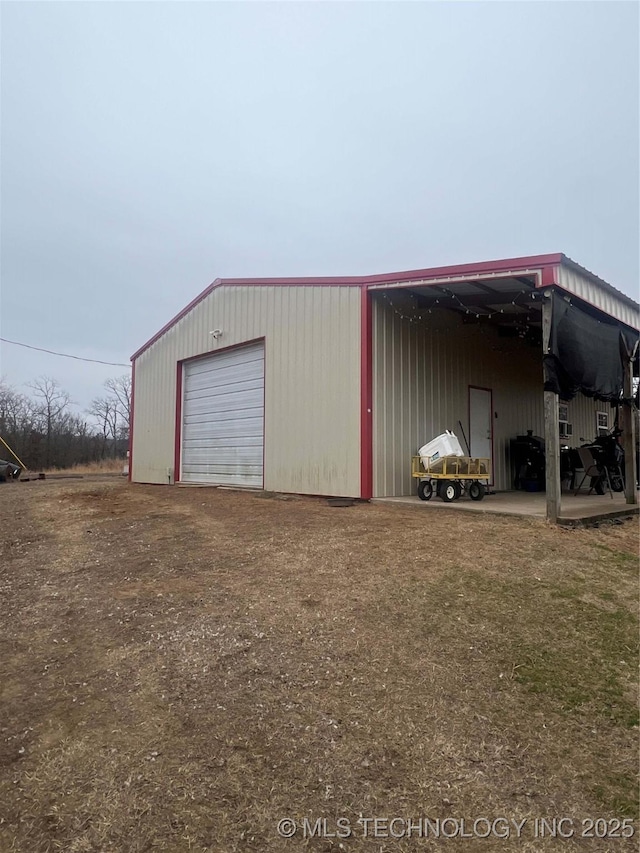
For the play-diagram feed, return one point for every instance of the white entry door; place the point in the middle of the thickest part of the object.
(223, 418)
(480, 424)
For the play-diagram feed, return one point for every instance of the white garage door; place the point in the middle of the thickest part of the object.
(223, 418)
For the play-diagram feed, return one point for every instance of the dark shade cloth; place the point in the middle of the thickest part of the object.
(586, 354)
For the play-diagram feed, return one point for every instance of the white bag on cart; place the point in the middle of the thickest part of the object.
(439, 448)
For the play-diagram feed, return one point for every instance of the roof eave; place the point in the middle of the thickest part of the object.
(547, 263)
(571, 264)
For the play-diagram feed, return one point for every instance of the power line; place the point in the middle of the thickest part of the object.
(65, 355)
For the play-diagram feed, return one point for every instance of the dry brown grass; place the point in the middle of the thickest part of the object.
(102, 466)
(182, 668)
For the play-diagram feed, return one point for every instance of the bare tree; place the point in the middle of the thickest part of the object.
(105, 411)
(16, 419)
(119, 389)
(13, 406)
(45, 432)
(51, 406)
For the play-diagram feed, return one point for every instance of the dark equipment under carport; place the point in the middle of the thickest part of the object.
(9, 471)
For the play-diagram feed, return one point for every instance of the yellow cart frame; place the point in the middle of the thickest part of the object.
(453, 475)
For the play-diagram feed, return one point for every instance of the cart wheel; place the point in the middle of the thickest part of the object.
(425, 490)
(448, 491)
(476, 491)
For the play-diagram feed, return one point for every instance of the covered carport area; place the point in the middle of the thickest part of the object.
(577, 510)
(587, 352)
(463, 348)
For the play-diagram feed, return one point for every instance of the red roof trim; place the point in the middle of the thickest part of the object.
(405, 275)
(178, 317)
(543, 262)
(505, 265)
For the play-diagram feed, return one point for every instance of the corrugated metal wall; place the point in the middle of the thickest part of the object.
(421, 377)
(312, 383)
(602, 298)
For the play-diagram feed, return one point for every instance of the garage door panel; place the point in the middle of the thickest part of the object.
(220, 415)
(226, 456)
(245, 479)
(228, 467)
(236, 438)
(214, 419)
(236, 383)
(224, 361)
(236, 397)
(225, 403)
(251, 456)
(204, 437)
(237, 468)
(227, 382)
(226, 422)
(201, 433)
(223, 418)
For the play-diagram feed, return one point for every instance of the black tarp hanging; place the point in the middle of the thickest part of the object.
(586, 354)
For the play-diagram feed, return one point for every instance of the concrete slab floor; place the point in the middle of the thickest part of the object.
(579, 508)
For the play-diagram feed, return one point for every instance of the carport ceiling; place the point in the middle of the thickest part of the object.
(505, 301)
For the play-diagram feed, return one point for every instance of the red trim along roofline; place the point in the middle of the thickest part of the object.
(177, 318)
(548, 264)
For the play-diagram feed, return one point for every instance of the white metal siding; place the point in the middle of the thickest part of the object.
(223, 418)
(312, 383)
(421, 378)
(600, 296)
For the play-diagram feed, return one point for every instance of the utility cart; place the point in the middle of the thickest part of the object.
(450, 477)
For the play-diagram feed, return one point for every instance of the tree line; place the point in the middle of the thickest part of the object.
(43, 429)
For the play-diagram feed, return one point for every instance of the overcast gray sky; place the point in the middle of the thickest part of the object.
(148, 148)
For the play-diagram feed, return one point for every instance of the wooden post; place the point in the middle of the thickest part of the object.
(628, 426)
(551, 425)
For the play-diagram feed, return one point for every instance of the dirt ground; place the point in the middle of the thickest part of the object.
(183, 668)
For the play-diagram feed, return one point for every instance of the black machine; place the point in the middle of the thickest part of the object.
(528, 461)
(608, 455)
